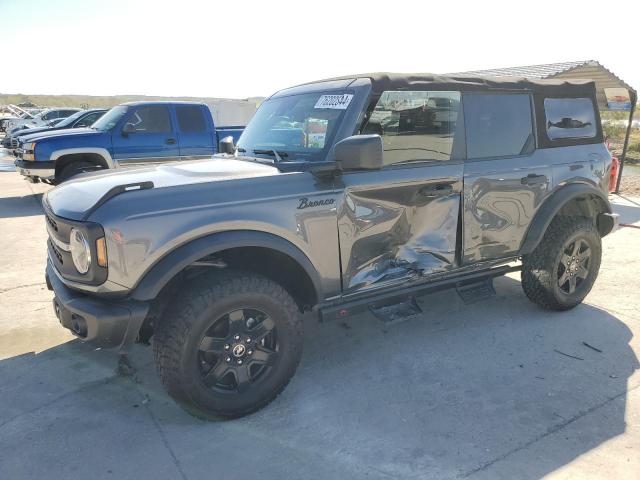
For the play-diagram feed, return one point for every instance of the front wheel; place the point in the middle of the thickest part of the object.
(229, 345)
(74, 169)
(560, 272)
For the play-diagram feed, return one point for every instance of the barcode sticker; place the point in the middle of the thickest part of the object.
(338, 102)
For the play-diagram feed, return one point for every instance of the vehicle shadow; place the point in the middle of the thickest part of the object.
(627, 208)
(496, 389)
(27, 206)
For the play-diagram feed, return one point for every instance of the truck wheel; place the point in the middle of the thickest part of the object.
(560, 272)
(72, 170)
(229, 344)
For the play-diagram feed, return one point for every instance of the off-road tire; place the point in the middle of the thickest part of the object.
(180, 329)
(540, 275)
(71, 170)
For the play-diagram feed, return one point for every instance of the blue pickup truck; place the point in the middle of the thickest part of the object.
(131, 134)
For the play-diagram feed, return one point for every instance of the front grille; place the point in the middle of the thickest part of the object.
(57, 253)
(52, 223)
(14, 143)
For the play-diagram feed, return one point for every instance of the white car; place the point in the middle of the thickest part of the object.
(42, 118)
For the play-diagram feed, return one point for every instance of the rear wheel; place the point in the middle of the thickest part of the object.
(229, 345)
(562, 269)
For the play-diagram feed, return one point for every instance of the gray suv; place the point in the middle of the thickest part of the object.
(341, 195)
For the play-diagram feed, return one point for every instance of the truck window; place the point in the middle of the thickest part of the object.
(152, 119)
(415, 126)
(190, 119)
(569, 118)
(498, 125)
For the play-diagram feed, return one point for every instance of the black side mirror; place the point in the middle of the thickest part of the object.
(359, 152)
(226, 145)
(127, 129)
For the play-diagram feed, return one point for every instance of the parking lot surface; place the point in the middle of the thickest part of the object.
(498, 389)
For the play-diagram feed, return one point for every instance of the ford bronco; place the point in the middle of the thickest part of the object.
(341, 195)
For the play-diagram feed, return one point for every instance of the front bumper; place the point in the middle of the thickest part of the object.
(108, 324)
(45, 170)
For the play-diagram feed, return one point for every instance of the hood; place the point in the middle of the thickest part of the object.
(39, 133)
(34, 130)
(77, 198)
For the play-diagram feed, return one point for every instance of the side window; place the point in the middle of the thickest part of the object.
(569, 118)
(153, 119)
(415, 126)
(50, 115)
(190, 119)
(498, 125)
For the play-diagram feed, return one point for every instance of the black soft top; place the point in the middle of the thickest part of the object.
(538, 88)
(382, 81)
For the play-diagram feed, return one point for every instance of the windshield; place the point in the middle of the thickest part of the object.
(298, 127)
(69, 120)
(109, 119)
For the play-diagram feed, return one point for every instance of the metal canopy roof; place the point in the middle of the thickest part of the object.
(587, 69)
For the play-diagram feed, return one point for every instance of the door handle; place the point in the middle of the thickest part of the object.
(533, 179)
(171, 141)
(438, 190)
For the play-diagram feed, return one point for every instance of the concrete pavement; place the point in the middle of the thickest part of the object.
(479, 391)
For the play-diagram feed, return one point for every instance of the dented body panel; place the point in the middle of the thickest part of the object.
(398, 223)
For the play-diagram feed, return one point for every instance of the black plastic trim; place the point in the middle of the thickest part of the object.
(551, 207)
(106, 324)
(164, 270)
(35, 165)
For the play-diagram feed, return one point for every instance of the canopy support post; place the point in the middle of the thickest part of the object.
(626, 144)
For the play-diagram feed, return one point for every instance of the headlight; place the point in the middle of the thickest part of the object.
(80, 251)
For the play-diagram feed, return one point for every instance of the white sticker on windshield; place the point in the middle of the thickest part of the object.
(338, 102)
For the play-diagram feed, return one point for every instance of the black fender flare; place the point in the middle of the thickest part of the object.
(552, 206)
(159, 275)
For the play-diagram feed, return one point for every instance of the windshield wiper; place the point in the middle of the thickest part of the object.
(270, 151)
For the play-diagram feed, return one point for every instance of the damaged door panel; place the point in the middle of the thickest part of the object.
(402, 222)
(393, 231)
(506, 178)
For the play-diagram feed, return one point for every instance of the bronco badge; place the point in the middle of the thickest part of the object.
(306, 203)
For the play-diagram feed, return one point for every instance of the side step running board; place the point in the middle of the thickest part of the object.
(471, 286)
(475, 291)
(397, 312)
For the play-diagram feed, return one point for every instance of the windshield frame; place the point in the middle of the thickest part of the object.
(347, 124)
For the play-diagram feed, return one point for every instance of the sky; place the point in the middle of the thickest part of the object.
(240, 49)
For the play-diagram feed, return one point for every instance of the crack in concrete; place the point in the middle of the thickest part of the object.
(549, 432)
(5, 290)
(165, 441)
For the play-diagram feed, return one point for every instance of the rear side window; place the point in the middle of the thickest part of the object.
(415, 126)
(190, 119)
(569, 118)
(498, 125)
(150, 120)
